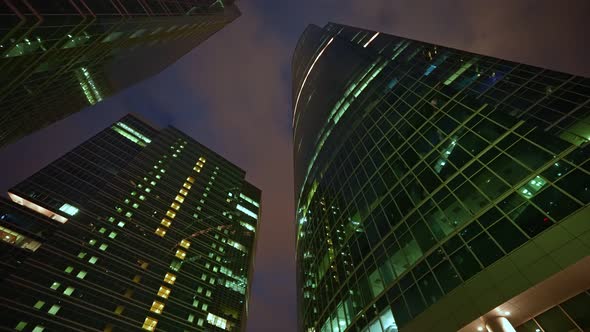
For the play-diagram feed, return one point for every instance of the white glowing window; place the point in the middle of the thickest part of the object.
(69, 209)
(246, 211)
(217, 321)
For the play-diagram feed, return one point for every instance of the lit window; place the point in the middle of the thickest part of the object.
(69, 269)
(157, 307)
(175, 206)
(166, 222)
(180, 254)
(81, 254)
(135, 205)
(39, 304)
(112, 235)
(55, 285)
(160, 231)
(158, 176)
(121, 223)
(187, 185)
(128, 214)
(175, 265)
(216, 320)
(119, 309)
(137, 279)
(164, 292)
(103, 247)
(147, 190)
(171, 214)
(68, 291)
(185, 244)
(39, 328)
(150, 323)
(102, 230)
(190, 179)
(93, 260)
(180, 198)
(169, 278)
(153, 183)
(202, 159)
(197, 169)
(54, 309)
(69, 209)
(183, 192)
(81, 274)
(20, 326)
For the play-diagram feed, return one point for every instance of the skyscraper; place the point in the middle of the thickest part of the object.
(137, 228)
(437, 189)
(57, 57)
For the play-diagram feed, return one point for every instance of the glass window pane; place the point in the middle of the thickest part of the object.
(447, 276)
(507, 235)
(465, 263)
(555, 320)
(578, 308)
(485, 249)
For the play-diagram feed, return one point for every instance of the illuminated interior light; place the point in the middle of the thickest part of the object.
(185, 244)
(306, 76)
(370, 40)
(37, 208)
(157, 307)
(164, 292)
(150, 324)
(170, 278)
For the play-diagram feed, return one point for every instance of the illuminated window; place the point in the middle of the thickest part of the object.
(160, 231)
(197, 169)
(39, 328)
(166, 222)
(180, 198)
(175, 206)
(93, 260)
(121, 223)
(175, 265)
(55, 285)
(69, 209)
(246, 211)
(69, 269)
(183, 192)
(119, 309)
(20, 326)
(135, 205)
(68, 291)
(169, 278)
(164, 292)
(112, 235)
(54, 309)
(185, 244)
(171, 214)
(217, 321)
(202, 159)
(153, 183)
(190, 179)
(180, 254)
(157, 307)
(200, 164)
(103, 247)
(39, 304)
(187, 185)
(137, 279)
(128, 214)
(81, 254)
(81, 274)
(150, 323)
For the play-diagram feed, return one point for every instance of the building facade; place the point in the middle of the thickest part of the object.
(137, 228)
(437, 189)
(57, 57)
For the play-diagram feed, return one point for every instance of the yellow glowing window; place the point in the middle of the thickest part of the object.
(157, 307)
(137, 279)
(160, 231)
(175, 206)
(183, 192)
(166, 222)
(164, 292)
(171, 214)
(190, 179)
(180, 254)
(202, 159)
(180, 198)
(187, 185)
(119, 309)
(196, 168)
(185, 244)
(200, 164)
(150, 323)
(169, 278)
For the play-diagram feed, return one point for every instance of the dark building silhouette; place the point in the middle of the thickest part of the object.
(136, 228)
(59, 56)
(437, 189)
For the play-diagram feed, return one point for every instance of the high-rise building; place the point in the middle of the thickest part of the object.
(59, 56)
(137, 228)
(437, 189)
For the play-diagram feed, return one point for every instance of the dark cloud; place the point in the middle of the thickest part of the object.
(233, 94)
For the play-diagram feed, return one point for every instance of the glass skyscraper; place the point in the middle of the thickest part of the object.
(437, 189)
(137, 228)
(59, 56)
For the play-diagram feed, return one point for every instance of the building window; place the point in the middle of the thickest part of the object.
(39, 304)
(69, 209)
(69, 269)
(69, 291)
(185, 244)
(93, 260)
(103, 247)
(180, 254)
(180, 198)
(150, 323)
(175, 206)
(183, 192)
(187, 185)
(54, 309)
(169, 278)
(160, 231)
(20, 326)
(164, 292)
(190, 179)
(39, 328)
(166, 222)
(81, 274)
(55, 285)
(157, 307)
(171, 214)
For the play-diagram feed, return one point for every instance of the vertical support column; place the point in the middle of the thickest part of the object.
(499, 324)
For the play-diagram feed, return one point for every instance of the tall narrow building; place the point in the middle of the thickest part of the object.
(137, 228)
(437, 189)
(59, 56)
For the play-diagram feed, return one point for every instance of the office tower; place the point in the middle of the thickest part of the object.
(436, 189)
(57, 57)
(137, 228)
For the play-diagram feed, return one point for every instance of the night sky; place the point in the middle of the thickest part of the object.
(233, 94)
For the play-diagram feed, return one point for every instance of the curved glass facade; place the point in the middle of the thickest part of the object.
(419, 166)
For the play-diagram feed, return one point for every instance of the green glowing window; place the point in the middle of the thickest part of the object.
(20, 326)
(69, 209)
(69, 291)
(113, 235)
(39, 328)
(111, 219)
(530, 189)
(102, 230)
(81, 254)
(128, 214)
(39, 304)
(69, 269)
(81, 274)
(54, 309)
(121, 224)
(93, 260)
(55, 285)
(135, 205)
(103, 247)
(92, 242)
